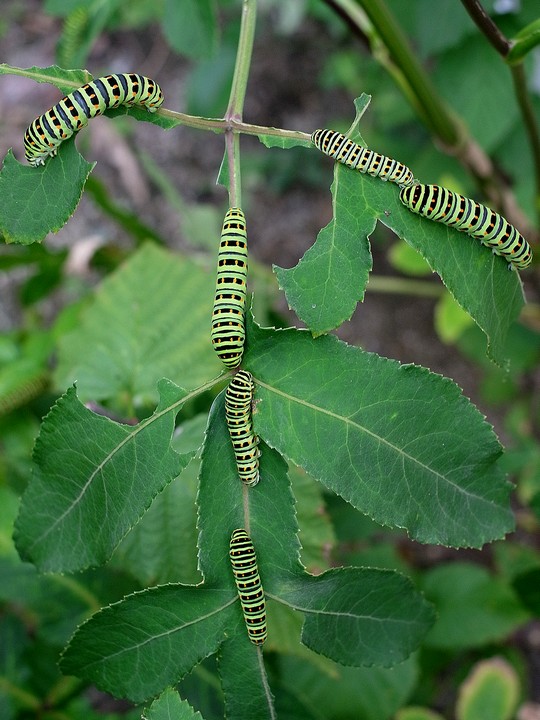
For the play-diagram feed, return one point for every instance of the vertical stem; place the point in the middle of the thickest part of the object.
(235, 106)
(243, 61)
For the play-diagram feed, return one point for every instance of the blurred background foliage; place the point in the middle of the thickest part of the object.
(482, 658)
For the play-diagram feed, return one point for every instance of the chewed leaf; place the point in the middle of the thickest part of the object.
(37, 201)
(170, 705)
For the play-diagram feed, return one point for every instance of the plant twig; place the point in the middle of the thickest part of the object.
(499, 41)
(503, 46)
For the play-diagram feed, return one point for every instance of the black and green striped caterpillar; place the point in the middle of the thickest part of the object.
(248, 584)
(228, 326)
(344, 150)
(238, 401)
(43, 137)
(442, 205)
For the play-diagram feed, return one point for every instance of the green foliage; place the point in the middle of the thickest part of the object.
(329, 280)
(190, 26)
(25, 189)
(417, 713)
(378, 454)
(473, 608)
(490, 693)
(113, 352)
(114, 473)
(362, 457)
(171, 620)
(373, 693)
(169, 705)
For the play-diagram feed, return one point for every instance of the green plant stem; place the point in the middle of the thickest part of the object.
(243, 61)
(235, 106)
(221, 125)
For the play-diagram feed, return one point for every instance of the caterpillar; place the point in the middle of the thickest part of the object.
(442, 205)
(248, 584)
(238, 399)
(228, 331)
(43, 137)
(344, 150)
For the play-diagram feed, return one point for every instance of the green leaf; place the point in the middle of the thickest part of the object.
(65, 80)
(491, 692)
(360, 616)
(93, 480)
(8, 511)
(474, 608)
(478, 104)
(36, 201)
(171, 628)
(191, 27)
(56, 605)
(270, 515)
(162, 547)
(329, 280)
(325, 286)
(313, 520)
(244, 682)
(207, 85)
(286, 625)
(479, 281)
(451, 320)
(524, 42)
(407, 448)
(359, 693)
(336, 632)
(170, 705)
(148, 641)
(283, 142)
(139, 329)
